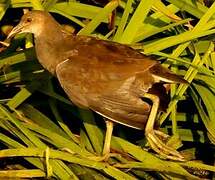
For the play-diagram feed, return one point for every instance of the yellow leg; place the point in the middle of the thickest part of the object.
(106, 149)
(152, 116)
(153, 135)
(109, 130)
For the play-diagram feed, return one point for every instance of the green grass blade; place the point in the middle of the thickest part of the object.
(134, 24)
(104, 13)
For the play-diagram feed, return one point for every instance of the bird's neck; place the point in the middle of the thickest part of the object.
(50, 47)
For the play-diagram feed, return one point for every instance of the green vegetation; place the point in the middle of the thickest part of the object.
(56, 139)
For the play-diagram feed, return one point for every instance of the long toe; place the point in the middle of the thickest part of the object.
(162, 135)
(104, 157)
(161, 148)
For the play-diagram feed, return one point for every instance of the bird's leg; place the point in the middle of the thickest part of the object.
(106, 148)
(153, 135)
(108, 135)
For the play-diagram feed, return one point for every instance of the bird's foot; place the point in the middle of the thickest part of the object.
(99, 158)
(156, 141)
(104, 157)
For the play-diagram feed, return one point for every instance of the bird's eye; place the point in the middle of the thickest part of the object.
(28, 19)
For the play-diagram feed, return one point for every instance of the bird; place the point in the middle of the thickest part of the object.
(114, 80)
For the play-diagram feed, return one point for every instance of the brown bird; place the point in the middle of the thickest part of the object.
(107, 77)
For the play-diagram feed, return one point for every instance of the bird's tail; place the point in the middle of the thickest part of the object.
(162, 74)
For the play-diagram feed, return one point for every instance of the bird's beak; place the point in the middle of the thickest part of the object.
(15, 30)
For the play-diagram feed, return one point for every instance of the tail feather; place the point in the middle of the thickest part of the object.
(162, 74)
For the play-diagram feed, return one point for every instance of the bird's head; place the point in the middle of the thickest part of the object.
(31, 22)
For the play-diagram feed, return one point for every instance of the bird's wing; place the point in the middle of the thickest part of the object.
(79, 74)
(127, 110)
(90, 88)
(117, 58)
